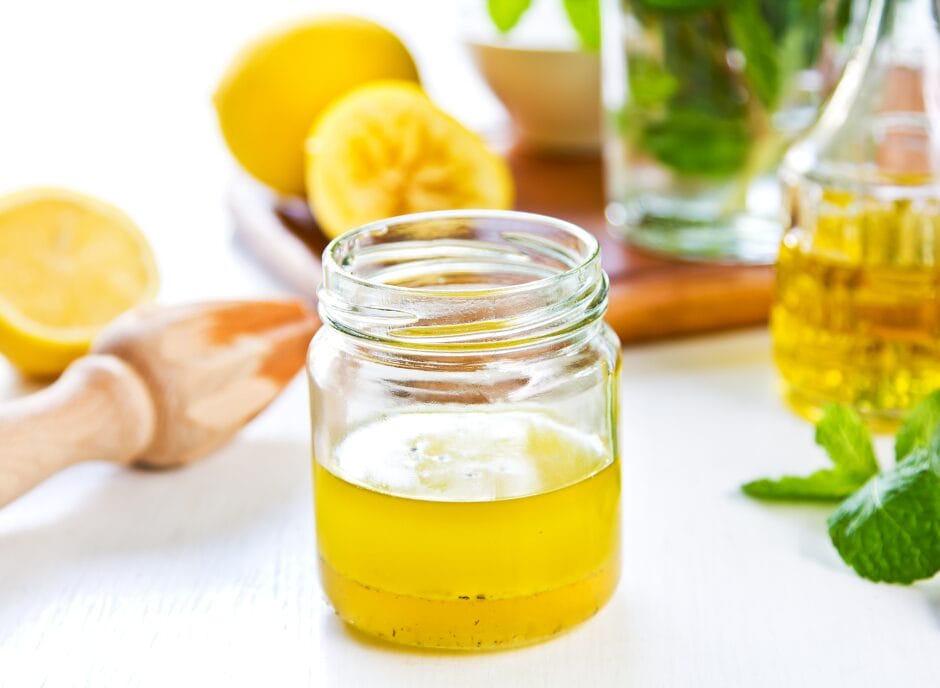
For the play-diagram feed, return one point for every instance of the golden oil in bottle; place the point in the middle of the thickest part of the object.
(467, 530)
(856, 317)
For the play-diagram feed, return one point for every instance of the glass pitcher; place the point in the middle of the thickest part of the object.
(702, 99)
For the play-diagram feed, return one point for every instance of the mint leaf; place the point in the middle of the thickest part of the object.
(755, 39)
(889, 531)
(842, 433)
(694, 143)
(845, 438)
(507, 13)
(824, 485)
(650, 84)
(694, 49)
(585, 18)
(919, 427)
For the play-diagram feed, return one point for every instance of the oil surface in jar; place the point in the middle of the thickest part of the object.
(856, 318)
(467, 529)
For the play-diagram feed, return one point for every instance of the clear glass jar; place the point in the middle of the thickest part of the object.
(464, 395)
(856, 316)
(702, 97)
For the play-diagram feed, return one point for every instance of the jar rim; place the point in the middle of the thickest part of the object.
(329, 253)
(463, 279)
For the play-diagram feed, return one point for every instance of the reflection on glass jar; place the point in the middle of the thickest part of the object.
(856, 317)
(702, 98)
(464, 393)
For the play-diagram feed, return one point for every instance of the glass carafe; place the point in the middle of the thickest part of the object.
(857, 311)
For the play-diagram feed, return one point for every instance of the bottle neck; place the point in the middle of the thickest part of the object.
(882, 124)
(906, 57)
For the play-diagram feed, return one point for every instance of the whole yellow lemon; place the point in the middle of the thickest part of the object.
(276, 87)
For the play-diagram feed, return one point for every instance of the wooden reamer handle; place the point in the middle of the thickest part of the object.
(99, 409)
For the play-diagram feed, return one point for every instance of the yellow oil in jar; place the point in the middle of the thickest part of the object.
(467, 530)
(856, 318)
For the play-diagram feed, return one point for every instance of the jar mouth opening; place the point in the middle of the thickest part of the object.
(462, 279)
(340, 253)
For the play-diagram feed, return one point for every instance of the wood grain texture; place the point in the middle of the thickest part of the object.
(651, 297)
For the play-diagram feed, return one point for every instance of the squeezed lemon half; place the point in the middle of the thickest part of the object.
(277, 85)
(69, 264)
(385, 149)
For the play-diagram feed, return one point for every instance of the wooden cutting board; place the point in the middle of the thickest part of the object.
(650, 297)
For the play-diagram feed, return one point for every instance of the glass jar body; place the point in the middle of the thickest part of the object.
(445, 535)
(702, 99)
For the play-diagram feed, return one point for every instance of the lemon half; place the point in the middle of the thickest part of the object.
(385, 149)
(69, 264)
(277, 86)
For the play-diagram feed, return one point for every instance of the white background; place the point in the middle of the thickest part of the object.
(206, 576)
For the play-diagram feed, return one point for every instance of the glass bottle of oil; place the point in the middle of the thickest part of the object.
(856, 317)
(464, 395)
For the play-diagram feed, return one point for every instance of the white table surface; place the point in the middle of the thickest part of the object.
(206, 576)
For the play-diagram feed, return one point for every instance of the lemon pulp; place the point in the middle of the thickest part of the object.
(69, 264)
(467, 529)
(384, 149)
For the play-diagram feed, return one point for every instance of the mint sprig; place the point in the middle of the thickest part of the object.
(843, 435)
(889, 529)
